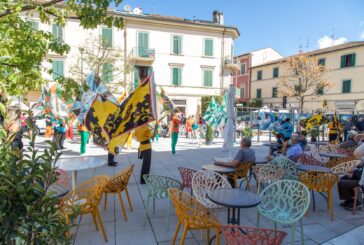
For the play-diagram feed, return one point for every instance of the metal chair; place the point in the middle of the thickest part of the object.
(118, 184)
(86, 197)
(192, 215)
(205, 181)
(186, 175)
(157, 189)
(342, 168)
(288, 166)
(236, 235)
(241, 172)
(284, 202)
(321, 182)
(267, 174)
(310, 160)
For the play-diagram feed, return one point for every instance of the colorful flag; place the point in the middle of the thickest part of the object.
(165, 106)
(314, 121)
(214, 114)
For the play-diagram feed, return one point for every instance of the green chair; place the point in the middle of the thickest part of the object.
(285, 202)
(288, 165)
(157, 189)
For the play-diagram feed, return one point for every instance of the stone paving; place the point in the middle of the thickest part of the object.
(318, 229)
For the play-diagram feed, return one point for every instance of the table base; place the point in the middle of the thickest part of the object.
(74, 180)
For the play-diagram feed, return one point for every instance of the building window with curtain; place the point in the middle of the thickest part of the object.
(57, 69)
(259, 93)
(347, 60)
(107, 73)
(176, 76)
(177, 45)
(275, 72)
(207, 77)
(346, 86)
(208, 47)
(57, 32)
(322, 61)
(106, 35)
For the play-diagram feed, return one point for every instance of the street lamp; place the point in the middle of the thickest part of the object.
(81, 51)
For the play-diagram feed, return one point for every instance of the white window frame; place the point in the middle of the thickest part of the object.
(172, 43)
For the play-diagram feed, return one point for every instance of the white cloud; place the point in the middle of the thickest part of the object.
(326, 41)
(361, 35)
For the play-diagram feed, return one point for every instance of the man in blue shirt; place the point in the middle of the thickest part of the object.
(295, 151)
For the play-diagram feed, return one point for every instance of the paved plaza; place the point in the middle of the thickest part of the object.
(318, 229)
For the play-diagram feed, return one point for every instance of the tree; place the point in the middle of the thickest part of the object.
(305, 79)
(23, 48)
(107, 62)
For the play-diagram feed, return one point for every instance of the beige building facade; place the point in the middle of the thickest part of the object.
(345, 64)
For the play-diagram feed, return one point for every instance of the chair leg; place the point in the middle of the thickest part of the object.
(146, 211)
(330, 205)
(168, 212)
(129, 201)
(105, 200)
(247, 182)
(207, 236)
(236, 183)
(292, 233)
(301, 228)
(217, 236)
(68, 232)
(153, 205)
(101, 224)
(176, 233)
(183, 235)
(122, 206)
(356, 191)
(258, 219)
(95, 221)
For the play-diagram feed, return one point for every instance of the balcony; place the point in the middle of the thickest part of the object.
(230, 65)
(142, 56)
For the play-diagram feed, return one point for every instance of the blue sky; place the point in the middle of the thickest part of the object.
(284, 25)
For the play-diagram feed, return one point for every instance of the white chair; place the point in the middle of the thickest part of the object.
(203, 182)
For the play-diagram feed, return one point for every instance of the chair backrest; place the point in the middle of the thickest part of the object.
(235, 235)
(186, 175)
(319, 181)
(288, 197)
(309, 160)
(268, 173)
(158, 185)
(62, 177)
(241, 170)
(287, 165)
(119, 181)
(343, 168)
(203, 182)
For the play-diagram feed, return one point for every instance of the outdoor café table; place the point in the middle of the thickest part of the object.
(57, 190)
(318, 144)
(218, 169)
(315, 168)
(75, 164)
(271, 145)
(234, 200)
(332, 155)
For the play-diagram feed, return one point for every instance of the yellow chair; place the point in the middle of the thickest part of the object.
(192, 215)
(241, 172)
(321, 182)
(86, 197)
(117, 184)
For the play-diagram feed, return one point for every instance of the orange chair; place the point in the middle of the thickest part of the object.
(86, 197)
(241, 172)
(321, 182)
(117, 184)
(192, 215)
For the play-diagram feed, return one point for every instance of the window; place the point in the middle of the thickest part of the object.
(107, 73)
(207, 77)
(322, 61)
(259, 93)
(57, 69)
(177, 45)
(209, 47)
(319, 90)
(143, 44)
(259, 75)
(274, 92)
(275, 72)
(347, 60)
(242, 92)
(176, 76)
(242, 68)
(57, 32)
(106, 34)
(34, 24)
(346, 86)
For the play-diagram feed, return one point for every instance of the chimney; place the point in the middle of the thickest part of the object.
(218, 17)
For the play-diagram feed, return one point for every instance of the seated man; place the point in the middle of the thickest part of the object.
(346, 187)
(245, 154)
(295, 151)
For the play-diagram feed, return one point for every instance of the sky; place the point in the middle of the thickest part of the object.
(285, 25)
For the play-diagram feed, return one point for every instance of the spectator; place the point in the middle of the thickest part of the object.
(303, 140)
(48, 132)
(82, 130)
(277, 148)
(62, 133)
(295, 151)
(175, 131)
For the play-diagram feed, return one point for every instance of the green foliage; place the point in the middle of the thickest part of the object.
(314, 132)
(28, 214)
(257, 103)
(247, 133)
(23, 48)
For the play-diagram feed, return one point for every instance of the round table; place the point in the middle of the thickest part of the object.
(79, 163)
(303, 167)
(218, 169)
(332, 155)
(234, 200)
(261, 161)
(57, 190)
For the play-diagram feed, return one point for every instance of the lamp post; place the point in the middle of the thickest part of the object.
(81, 51)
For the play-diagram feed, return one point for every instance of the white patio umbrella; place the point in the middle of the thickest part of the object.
(228, 133)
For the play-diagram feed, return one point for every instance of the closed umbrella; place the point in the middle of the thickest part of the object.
(228, 133)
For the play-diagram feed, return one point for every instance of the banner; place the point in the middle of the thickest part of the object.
(314, 121)
(214, 114)
(165, 106)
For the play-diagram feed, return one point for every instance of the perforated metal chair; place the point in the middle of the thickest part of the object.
(344, 167)
(267, 174)
(288, 166)
(241, 172)
(186, 175)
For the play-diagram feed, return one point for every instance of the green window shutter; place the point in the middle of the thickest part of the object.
(136, 77)
(179, 76)
(353, 60)
(343, 59)
(55, 31)
(207, 78)
(143, 44)
(107, 73)
(107, 37)
(176, 76)
(57, 69)
(209, 47)
(346, 86)
(60, 33)
(177, 45)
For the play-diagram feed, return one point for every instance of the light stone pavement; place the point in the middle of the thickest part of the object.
(318, 229)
